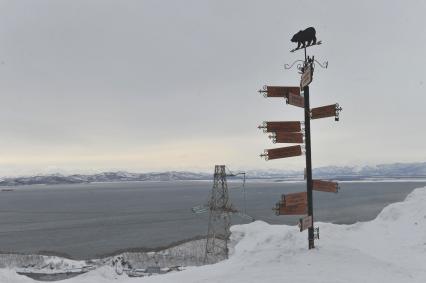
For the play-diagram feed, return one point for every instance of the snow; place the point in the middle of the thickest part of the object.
(390, 248)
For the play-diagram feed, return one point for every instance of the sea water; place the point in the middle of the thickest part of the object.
(91, 220)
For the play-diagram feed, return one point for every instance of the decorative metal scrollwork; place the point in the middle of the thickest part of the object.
(299, 66)
(302, 64)
(324, 65)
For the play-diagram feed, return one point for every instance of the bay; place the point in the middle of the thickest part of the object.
(87, 221)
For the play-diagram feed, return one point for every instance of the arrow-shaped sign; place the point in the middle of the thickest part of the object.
(279, 91)
(295, 199)
(305, 223)
(282, 152)
(326, 111)
(306, 76)
(281, 126)
(325, 186)
(296, 100)
(299, 209)
(286, 137)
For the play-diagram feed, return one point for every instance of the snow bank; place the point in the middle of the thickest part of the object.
(391, 248)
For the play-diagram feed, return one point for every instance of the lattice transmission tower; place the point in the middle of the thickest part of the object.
(220, 210)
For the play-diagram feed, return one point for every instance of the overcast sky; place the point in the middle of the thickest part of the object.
(88, 86)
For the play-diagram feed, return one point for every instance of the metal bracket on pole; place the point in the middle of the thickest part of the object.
(338, 109)
(316, 233)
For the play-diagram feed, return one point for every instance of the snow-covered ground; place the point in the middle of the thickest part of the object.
(391, 248)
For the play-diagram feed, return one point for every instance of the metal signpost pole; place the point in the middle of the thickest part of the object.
(308, 165)
(311, 240)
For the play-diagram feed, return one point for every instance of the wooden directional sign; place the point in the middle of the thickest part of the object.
(305, 223)
(296, 100)
(285, 126)
(285, 137)
(306, 76)
(325, 186)
(291, 210)
(295, 199)
(280, 91)
(324, 111)
(284, 152)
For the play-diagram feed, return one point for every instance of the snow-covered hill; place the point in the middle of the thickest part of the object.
(391, 248)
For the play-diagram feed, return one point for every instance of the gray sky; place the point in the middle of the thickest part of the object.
(96, 85)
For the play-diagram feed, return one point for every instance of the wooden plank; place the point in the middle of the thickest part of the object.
(306, 76)
(281, 91)
(296, 100)
(284, 152)
(325, 186)
(305, 223)
(295, 199)
(284, 126)
(291, 210)
(285, 137)
(323, 111)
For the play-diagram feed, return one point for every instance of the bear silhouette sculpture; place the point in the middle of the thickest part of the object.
(305, 38)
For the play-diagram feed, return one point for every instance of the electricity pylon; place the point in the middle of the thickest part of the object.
(220, 210)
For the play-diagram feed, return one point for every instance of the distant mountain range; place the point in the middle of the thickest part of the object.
(119, 176)
(383, 171)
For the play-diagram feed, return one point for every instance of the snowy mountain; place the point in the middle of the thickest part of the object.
(395, 170)
(103, 177)
(382, 171)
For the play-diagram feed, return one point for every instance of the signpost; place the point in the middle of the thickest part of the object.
(325, 186)
(292, 204)
(291, 132)
(286, 137)
(295, 199)
(280, 91)
(296, 100)
(283, 152)
(282, 209)
(306, 76)
(285, 126)
(305, 223)
(325, 111)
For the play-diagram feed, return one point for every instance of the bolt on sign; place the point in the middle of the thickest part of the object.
(305, 223)
(283, 152)
(285, 126)
(325, 186)
(324, 111)
(285, 137)
(299, 209)
(279, 91)
(306, 76)
(295, 199)
(296, 100)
